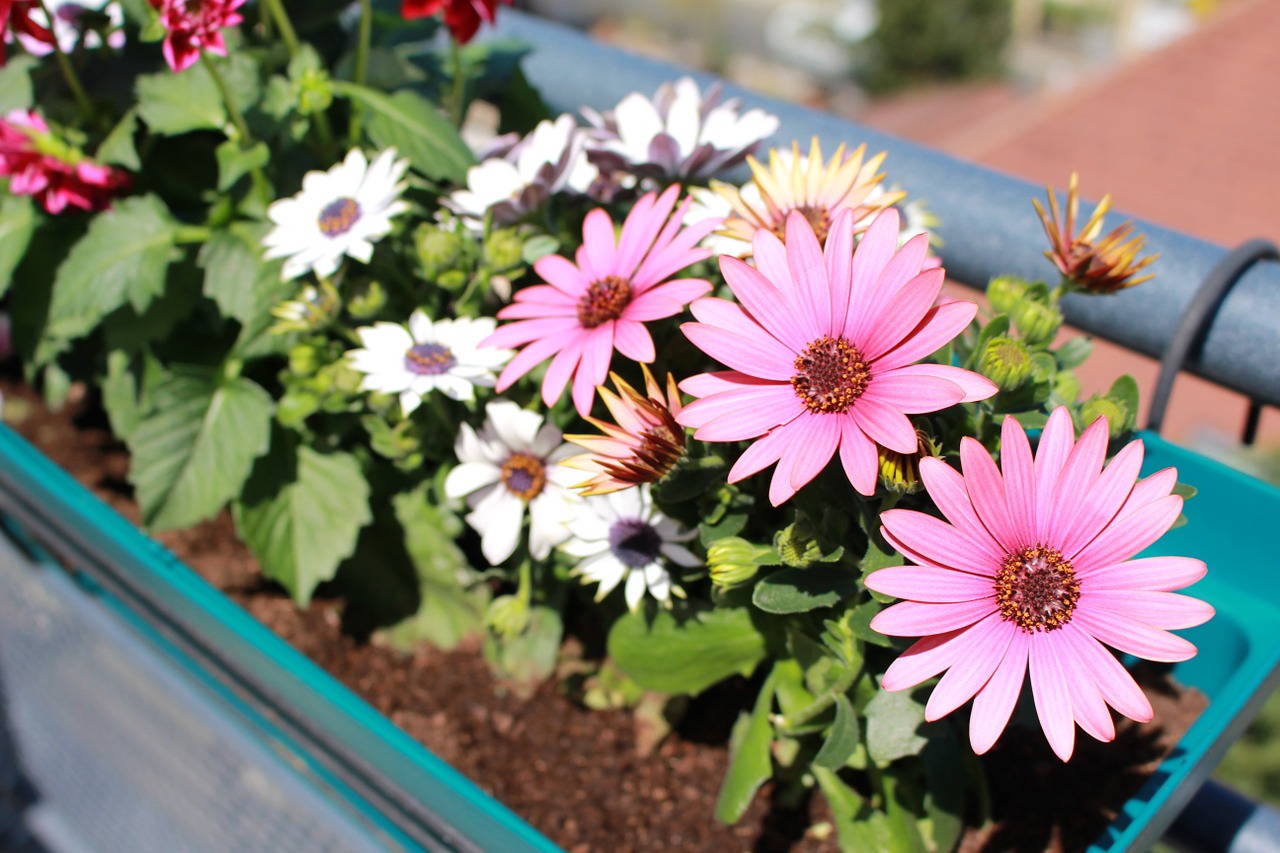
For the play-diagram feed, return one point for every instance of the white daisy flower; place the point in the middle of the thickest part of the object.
(680, 133)
(520, 178)
(343, 211)
(514, 463)
(623, 535)
(413, 362)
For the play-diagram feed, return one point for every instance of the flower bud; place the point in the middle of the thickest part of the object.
(438, 250)
(314, 308)
(733, 561)
(1037, 321)
(900, 472)
(368, 302)
(1004, 292)
(1066, 386)
(1006, 362)
(304, 360)
(1119, 420)
(504, 250)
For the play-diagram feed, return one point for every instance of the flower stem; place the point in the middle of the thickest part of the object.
(789, 722)
(459, 93)
(363, 37)
(69, 71)
(233, 112)
(285, 26)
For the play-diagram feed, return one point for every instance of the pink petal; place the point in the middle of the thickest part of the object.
(770, 257)
(987, 643)
(1129, 534)
(885, 425)
(541, 294)
(1018, 468)
(1117, 686)
(1136, 638)
(732, 318)
(1150, 489)
(859, 457)
(638, 232)
(745, 414)
(521, 332)
(1087, 705)
(1053, 701)
(914, 619)
(1163, 574)
(673, 252)
(913, 393)
(598, 245)
(813, 448)
(938, 542)
(706, 384)
(666, 300)
(947, 488)
(939, 327)
(985, 485)
(597, 352)
(527, 359)
(838, 254)
(994, 703)
(901, 315)
(1104, 500)
(925, 658)
(1079, 473)
(633, 340)
(1167, 610)
(922, 583)
(809, 275)
(561, 274)
(1056, 441)
(528, 309)
(904, 266)
(562, 367)
(761, 454)
(875, 252)
(761, 355)
(769, 306)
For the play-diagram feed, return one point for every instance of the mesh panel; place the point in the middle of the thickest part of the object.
(121, 750)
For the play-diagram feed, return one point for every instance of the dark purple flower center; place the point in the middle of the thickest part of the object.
(635, 542)
(524, 475)
(604, 301)
(819, 219)
(429, 359)
(1037, 589)
(338, 216)
(830, 375)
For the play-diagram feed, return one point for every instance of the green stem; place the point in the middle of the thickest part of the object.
(363, 37)
(459, 83)
(187, 234)
(789, 722)
(69, 71)
(287, 32)
(237, 119)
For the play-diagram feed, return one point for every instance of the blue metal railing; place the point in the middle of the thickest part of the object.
(988, 223)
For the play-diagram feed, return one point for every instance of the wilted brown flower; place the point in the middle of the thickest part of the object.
(1105, 265)
(642, 447)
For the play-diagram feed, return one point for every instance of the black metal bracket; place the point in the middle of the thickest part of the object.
(1190, 334)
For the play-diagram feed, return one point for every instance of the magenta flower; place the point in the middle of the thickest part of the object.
(1031, 571)
(195, 25)
(57, 175)
(822, 342)
(588, 309)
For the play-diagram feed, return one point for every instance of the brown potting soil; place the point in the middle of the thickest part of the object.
(580, 776)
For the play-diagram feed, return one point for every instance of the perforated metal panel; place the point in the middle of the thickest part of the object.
(107, 745)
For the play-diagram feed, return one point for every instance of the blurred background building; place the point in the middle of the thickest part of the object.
(1169, 105)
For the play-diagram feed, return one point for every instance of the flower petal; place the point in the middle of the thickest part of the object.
(885, 425)
(1104, 500)
(809, 275)
(1079, 474)
(1163, 574)
(916, 619)
(1167, 610)
(1114, 681)
(1056, 441)
(939, 327)
(985, 485)
(1087, 705)
(939, 543)
(924, 659)
(771, 307)
(1018, 467)
(760, 355)
(1135, 638)
(1129, 534)
(1052, 698)
(901, 315)
(994, 703)
(859, 457)
(984, 649)
(925, 583)
(913, 392)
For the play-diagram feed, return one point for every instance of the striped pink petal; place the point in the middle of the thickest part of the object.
(1052, 697)
(994, 703)
(914, 619)
(983, 651)
(922, 583)
(1167, 610)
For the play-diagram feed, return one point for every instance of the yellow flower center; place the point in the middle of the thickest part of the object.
(604, 301)
(819, 219)
(830, 375)
(338, 217)
(1037, 589)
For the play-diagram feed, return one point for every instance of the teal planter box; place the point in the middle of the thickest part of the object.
(406, 798)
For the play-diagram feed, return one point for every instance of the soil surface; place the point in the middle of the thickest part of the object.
(582, 777)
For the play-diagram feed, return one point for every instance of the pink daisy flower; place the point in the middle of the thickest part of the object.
(195, 25)
(822, 344)
(588, 309)
(1031, 571)
(57, 175)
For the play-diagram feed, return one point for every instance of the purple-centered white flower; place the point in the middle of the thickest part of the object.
(680, 134)
(1031, 572)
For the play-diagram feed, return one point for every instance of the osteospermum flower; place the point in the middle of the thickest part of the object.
(510, 466)
(602, 302)
(16, 18)
(56, 174)
(818, 189)
(1091, 264)
(516, 176)
(462, 17)
(192, 26)
(822, 344)
(339, 212)
(642, 447)
(680, 134)
(1031, 572)
(444, 355)
(623, 536)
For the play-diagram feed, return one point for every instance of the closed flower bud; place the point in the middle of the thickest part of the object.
(732, 561)
(900, 472)
(1066, 386)
(1006, 362)
(368, 302)
(504, 250)
(1118, 417)
(438, 250)
(1037, 321)
(1004, 292)
(304, 360)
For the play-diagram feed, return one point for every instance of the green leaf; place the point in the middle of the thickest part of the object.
(195, 449)
(1124, 392)
(235, 162)
(17, 224)
(118, 147)
(944, 798)
(858, 826)
(892, 720)
(843, 738)
(301, 516)
(1074, 352)
(122, 259)
(234, 272)
(692, 479)
(172, 104)
(802, 590)
(530, 656)
(126, 395)
(859, 622)
(687, 656)
(15, 83)
(414, 127)
(750, 762)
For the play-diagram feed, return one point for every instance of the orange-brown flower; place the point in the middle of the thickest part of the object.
(900, 472)
(642, 447)
(817, 188)
(1091, 264)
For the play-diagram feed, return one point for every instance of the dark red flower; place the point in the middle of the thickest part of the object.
(55, 174)
(15, 15)
(193, 26)
(462, 17)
